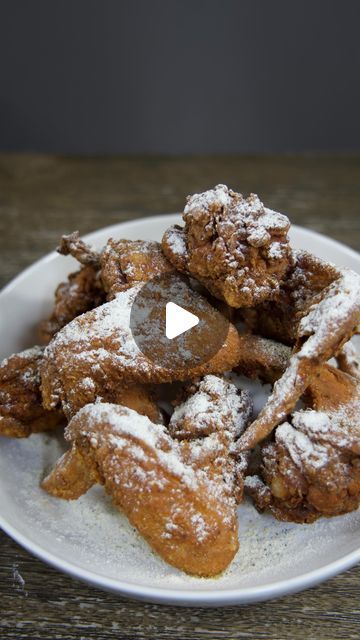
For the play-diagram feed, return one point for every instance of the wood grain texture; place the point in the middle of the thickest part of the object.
(42, 197)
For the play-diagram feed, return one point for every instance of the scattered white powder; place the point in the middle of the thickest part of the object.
(301, 449)
(219, 196)
(275, 251)
(125, 421)
(325, 318)
(28, 354)
(88, 383)
(249, 213)
(176, 241)
(200, 527)
(254, 483)
(92, 534)
(216, 401)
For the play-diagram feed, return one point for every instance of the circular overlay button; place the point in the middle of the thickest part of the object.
(174, 326)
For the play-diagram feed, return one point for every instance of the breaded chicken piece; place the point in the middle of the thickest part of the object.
(96, 354)
(211, 403)
(327, 322)
(180, 495)
(81, 292)
(237, 248)
(312, 468)
(21, 410)
(210, 420)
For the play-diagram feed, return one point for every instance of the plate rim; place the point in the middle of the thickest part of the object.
(169, 595)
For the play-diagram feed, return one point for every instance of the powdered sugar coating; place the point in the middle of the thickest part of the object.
(122, 420)
(301, 448)
(217, 405)
(325, 317)
(114, 348)
(234, 246)
(142, 466)
(28, 354)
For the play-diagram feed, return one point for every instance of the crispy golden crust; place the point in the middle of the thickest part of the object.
(71, 477)
(146, 472)
(312, 468)
(81, 292)
(126, 262)
(21, 410)
(96, 355)
(233, 245)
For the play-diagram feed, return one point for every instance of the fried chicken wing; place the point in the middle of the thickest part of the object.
(237, 248)
(312, 468)
(179, 494)
(21, 410)
(327, 322)
(127, 262)
(96, 354)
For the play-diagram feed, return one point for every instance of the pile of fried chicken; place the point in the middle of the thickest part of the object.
(178, 474)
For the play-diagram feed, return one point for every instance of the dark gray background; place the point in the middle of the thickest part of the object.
(179, 76)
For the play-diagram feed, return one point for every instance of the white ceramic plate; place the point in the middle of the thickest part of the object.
(90, 540)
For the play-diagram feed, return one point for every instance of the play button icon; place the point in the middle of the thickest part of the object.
(174, 326)
(178, 320)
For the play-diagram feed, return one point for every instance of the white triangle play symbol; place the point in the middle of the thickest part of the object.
(178, 320)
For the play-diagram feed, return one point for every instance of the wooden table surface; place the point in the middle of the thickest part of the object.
(42, 197)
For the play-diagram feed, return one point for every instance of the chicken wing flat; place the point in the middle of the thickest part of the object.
(127, 262)
(237, 248)
(312, 468)
(179, 494)
(327, 323)
(96, 355)
(21, 410)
